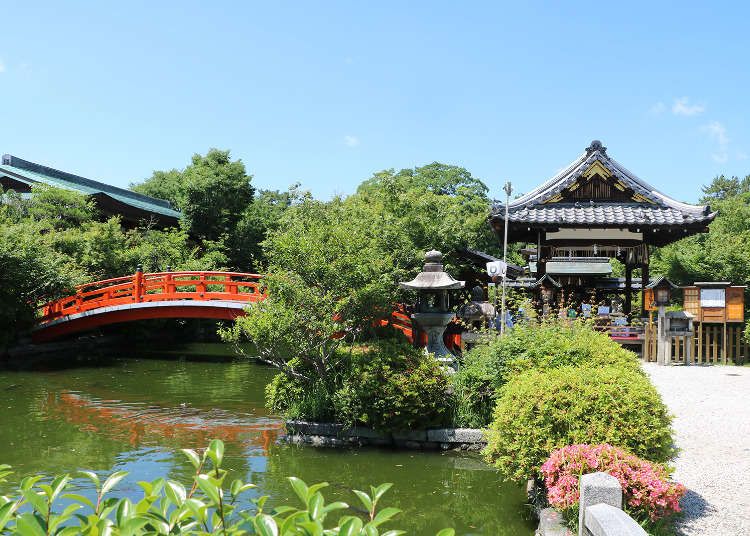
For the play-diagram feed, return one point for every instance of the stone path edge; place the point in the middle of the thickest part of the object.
(338, 435)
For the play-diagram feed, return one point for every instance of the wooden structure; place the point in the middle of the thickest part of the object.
(592, 211)
(718, 309)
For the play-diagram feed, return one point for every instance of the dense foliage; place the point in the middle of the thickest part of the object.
(212, 193)
(204, 506)
(31, 270)
(648, 495)
(387, 386)
(546, 345)
(333, 268)
(723, 254)
(539, 411)
(219, 205)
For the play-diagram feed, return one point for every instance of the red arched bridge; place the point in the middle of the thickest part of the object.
(213, 295)
(218, 295)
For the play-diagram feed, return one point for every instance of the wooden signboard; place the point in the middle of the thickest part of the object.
(735, 304)
(691, 301)
(715, 302)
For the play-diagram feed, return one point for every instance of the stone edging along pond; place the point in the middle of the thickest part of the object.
(338, 435)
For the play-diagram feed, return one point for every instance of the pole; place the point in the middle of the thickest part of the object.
(508, 189)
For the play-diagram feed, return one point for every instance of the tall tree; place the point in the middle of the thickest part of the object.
(212, 193)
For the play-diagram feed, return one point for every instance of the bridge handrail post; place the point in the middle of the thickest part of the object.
(231, 288)
(201, 286)
(138, 283)
(169, 284)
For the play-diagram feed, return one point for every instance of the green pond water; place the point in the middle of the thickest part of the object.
(134, 414)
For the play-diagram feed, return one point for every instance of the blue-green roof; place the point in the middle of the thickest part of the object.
(30, 173)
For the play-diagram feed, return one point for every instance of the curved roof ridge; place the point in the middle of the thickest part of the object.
(597, 152)
(551, 182)
(668, 200)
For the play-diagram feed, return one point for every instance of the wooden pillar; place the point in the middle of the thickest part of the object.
(644, 281)
(628, 288)
(541, 260)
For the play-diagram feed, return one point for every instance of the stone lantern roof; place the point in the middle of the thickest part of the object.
(432, 276)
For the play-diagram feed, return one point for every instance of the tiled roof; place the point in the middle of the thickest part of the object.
(31, 173)
(657, 209)
(603, 213)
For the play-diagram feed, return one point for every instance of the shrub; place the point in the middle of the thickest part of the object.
(547, 345)
(540, 411)
(170, 508)
(387, 386)
(299, 399)
(394, 387)
(648, 495)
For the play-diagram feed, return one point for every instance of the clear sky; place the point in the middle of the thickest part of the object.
(327, 93)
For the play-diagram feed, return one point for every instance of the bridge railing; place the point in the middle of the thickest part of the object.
(160, 286)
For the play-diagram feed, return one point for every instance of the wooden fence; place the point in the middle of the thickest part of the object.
(707, 344)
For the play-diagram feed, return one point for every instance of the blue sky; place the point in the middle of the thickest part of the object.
(328, 93)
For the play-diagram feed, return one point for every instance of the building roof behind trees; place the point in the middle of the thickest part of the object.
(21, 175)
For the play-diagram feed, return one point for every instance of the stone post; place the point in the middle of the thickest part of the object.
(663, 340)
(597, 488)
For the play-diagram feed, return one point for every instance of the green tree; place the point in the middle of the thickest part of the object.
(326, 277)
(32, 272)
(722, 188)
(260, 217)
(212, 193)
(437, 206)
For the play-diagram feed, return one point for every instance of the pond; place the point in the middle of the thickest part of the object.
(134, 414)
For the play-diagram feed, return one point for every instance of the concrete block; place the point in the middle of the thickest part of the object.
(605, 520)
(456, 435)
(313, 428)
(364, 432)
(598, 488)
(410, 435)
(552, 523)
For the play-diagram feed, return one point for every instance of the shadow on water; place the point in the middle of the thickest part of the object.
(133, 413)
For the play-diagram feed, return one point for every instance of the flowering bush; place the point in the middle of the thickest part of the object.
(648, 495)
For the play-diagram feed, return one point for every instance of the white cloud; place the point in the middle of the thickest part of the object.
(2, 66)
(351, 141)
(683, 107)
(657, 109)
(718, 134)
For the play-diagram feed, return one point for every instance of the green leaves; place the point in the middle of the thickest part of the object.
(193, 457)
(216, 452)
(167, 508)
(112, 480)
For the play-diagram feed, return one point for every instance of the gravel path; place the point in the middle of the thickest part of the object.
(711, 405)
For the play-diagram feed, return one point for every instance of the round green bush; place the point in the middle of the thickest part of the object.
(393, 392)
(546, 345)
(540, 411)
(387, 386)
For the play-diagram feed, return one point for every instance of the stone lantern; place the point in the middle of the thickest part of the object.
(432, 286)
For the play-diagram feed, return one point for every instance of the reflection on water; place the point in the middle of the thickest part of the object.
(136, 414)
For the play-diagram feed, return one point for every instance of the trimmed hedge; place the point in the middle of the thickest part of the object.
(547, 345)
(540, 411)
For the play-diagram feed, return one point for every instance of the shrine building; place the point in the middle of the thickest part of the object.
(593, 211)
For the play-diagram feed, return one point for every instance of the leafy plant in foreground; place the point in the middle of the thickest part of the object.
(169, 508)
